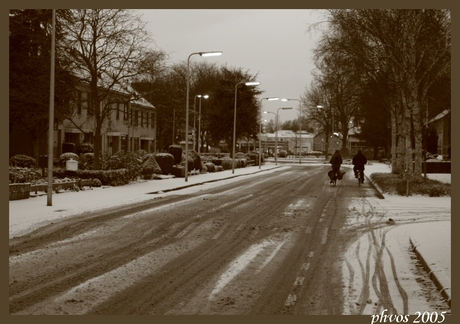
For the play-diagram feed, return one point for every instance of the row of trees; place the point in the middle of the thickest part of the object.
(110, 50)
(386, 71)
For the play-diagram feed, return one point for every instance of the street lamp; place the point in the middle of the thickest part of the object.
(199, 123)
(203, 54)
(248, 83)
(327, 138)
(300, 127)
(276, 130)
(260, 127)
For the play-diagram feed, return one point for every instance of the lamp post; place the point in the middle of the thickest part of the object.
(199, 124)
(203, 54)
(260, 127)
(276, 130)
(300, 127)
(327, 137)
(248, 83)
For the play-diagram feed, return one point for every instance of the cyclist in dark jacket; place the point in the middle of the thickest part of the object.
(359, 160)
(336, 162)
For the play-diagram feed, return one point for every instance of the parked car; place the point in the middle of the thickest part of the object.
(282, 153)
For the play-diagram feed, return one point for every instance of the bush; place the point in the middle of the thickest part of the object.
(210, 167)
(132, 161)
(96, 183)
(178, 171)
(84, 148)
(23, 175)
(68, 147)
(150, 167)
(165, 161)
(86, 161)
(396, 184)
(227, 163)
(191, 162)
(23, 161)
(176, 151)
(196, 160)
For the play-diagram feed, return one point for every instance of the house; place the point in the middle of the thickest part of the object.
(334, 143)
(130, 126)
(441, 124)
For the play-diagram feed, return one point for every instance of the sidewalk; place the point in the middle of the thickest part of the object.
(431, 240)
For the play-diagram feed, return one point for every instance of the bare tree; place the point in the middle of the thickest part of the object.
(408, 50)
(106, 46)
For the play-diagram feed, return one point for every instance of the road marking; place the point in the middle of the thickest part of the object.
(290, 301)
(305, 266)
(324, 236)
(219, 233)
(270, 257)
(238, 265)
(299, 281)
(188, 228)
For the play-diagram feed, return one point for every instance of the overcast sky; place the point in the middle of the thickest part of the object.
(274, 44)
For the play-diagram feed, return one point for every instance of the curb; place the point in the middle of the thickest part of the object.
(208, 181)
(376, 188)
(445, 291)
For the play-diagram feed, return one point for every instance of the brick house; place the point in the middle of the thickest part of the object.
(130, 126)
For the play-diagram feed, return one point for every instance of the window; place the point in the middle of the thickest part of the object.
(136, 118)
(142, 119)
(125, 111)
(89, 105)
(118, 107)
(78, 94)
(152, 124)
(147, 115)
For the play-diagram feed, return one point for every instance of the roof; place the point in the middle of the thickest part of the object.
(289, 134)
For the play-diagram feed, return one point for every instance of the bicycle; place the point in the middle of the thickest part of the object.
(333, 175)
(360, 177)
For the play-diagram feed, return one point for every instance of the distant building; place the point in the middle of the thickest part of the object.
(292, 142)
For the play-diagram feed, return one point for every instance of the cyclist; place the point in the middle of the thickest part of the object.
(336, 162)
(358, 161)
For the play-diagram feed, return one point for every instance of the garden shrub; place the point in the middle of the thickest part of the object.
(178, 171)
(23, 175)
(150, 167)
(165, 161)
(210, 167)
(176, 151)
(191, 162)
(217, 161)
(196, 160)
(96, 183)
(131, 161)
(204, 169)
(68, 147)
(23, 161)
(219, 168)
(255, 157)
(86, 161)
(228, 163)
(396, 184)
(84, 148)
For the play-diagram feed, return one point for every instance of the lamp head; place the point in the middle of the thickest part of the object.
(205, 54)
